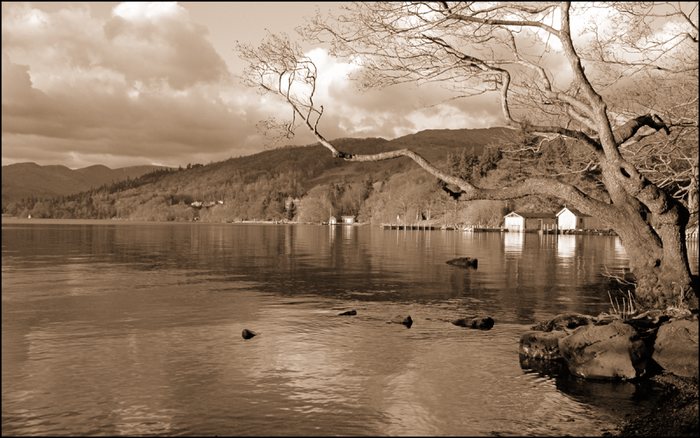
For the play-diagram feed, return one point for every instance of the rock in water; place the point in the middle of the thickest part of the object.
(407, 321)
(348, 313)
(247, 334)
(464, 262)
(480, 322)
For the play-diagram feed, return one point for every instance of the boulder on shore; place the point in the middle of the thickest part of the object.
(464, 262)
(676, 347)
(480, 322)
(612, 351)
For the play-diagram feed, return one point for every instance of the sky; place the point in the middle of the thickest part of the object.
(159, 83)
(125, 84)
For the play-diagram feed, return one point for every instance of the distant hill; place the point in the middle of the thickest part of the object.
(319, 167)
(23, 180)
(261, 186)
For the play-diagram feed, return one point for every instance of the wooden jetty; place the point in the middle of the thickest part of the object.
(409, 227)
(443, 227)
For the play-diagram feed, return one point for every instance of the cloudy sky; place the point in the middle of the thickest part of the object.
(125, 84)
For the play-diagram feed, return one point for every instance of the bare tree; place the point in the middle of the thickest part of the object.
(553, 78)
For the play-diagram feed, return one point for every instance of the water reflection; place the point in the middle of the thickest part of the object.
(513, 242)
(331, 234)
(566, 245)
(521, 274)
(619, 249)
(348, 232)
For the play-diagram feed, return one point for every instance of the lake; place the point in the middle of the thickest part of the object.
(120, 328)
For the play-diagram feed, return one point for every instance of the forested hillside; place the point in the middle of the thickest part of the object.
(306, 184)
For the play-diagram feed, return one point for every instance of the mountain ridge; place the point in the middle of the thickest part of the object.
(27, 179)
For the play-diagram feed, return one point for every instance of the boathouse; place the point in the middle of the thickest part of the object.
(348, 220)
(332, 221)
(572, 219)
(523, 221)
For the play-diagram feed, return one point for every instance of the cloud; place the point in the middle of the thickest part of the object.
(143, 83)
(393, 111)
(170, 47)
(166, 126)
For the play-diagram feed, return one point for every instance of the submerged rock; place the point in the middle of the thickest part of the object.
(407, 321)
(348, 313)
(547, 367)
(247, 334)
(464, 262)
(612, 351)
(676, 347)
(480, 322)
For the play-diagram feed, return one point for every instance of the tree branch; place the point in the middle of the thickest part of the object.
(630, 128)
(501, 22)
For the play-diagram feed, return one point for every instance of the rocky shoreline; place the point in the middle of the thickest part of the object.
(658, 348)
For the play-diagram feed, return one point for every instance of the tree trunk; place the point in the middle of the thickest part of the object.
(661, 269)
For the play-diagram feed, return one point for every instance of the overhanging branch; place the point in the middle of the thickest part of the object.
(631, 127)
(538, 186)
(467, 191)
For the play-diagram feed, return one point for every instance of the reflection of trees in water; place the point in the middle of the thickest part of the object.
(563, 271)
(548, 272)
(48, 240)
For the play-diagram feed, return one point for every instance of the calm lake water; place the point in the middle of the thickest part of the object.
(135, 329)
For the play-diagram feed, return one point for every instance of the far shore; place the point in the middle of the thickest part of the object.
(24, 220)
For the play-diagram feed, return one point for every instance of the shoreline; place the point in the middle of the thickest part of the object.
(675, 415)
